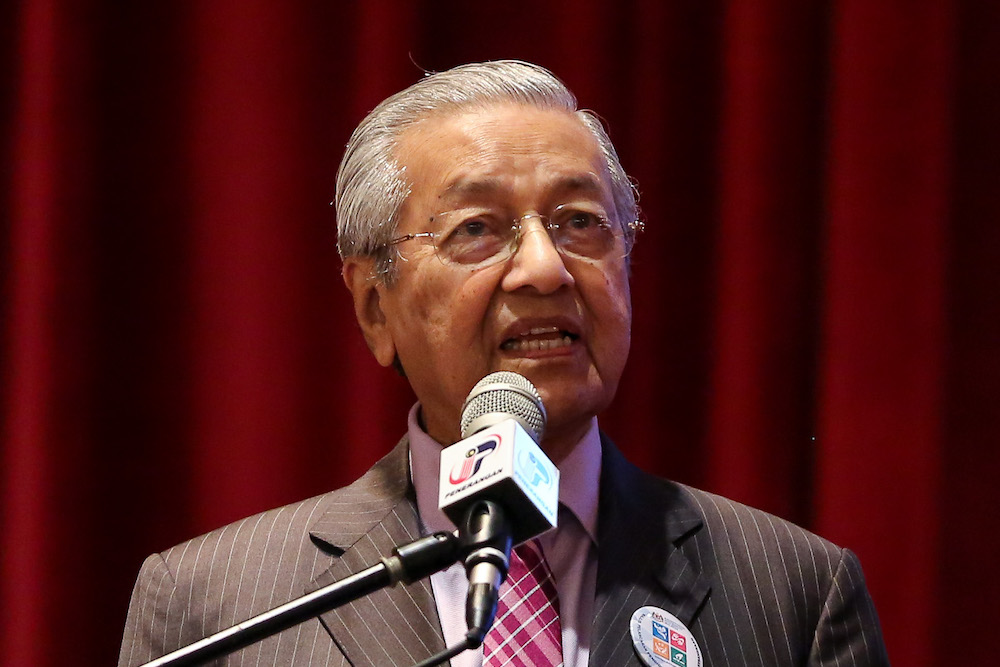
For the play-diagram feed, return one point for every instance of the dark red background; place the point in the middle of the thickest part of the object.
(816, 312)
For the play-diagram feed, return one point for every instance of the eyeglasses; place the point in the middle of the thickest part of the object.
(477, 239)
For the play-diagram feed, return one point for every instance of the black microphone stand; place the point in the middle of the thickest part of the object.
(408, 563)
(486, 539)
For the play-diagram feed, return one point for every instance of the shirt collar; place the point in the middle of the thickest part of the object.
(579, 477)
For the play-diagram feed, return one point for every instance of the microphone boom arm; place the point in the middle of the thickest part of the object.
(408, 563)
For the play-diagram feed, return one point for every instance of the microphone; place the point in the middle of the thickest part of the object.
(497, 486)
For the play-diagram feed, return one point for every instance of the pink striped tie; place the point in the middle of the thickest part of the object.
(527, 632)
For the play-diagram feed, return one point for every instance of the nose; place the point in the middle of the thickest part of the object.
(536, 263)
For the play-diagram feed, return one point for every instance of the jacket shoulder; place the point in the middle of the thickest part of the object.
(274, 532)
(751, 525)
(264, 560)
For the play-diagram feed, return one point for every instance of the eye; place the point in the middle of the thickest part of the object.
(581, 219)
(581, 232)
(571, 219)
(474, 227)
(474, 237)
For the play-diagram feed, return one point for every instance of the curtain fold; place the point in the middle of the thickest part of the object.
(885, 314)
(815, 321)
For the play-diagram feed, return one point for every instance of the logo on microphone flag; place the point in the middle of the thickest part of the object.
(488, 464)
(469, 466)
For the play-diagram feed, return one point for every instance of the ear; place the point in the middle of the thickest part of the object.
(367, 290)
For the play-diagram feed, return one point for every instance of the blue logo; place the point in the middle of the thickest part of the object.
(533, 469)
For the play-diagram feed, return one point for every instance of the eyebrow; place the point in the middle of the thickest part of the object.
(462, 188)
(470, 188)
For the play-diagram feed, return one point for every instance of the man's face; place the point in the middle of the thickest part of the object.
(562, 322)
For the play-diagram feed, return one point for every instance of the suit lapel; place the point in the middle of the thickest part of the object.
(643, 521)
(395, 626)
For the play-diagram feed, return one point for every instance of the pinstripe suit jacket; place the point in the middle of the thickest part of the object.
(754, 589)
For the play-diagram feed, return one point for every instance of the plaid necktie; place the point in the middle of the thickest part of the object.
(527, 632)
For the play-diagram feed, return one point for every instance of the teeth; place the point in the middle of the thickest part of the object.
(540, 330)
(535, 344)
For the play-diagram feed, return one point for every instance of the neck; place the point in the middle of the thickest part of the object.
(559, 442)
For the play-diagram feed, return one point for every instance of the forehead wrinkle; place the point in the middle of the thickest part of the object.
(472, 188)
(588, 183)
(465, 187)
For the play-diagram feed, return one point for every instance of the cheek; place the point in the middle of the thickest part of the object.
(443, 311)
(427, 318)
(621, 297)
(613, 314)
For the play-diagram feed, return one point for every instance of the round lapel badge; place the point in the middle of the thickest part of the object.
(661, 640)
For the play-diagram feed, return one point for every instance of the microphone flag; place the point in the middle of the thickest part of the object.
(504, 464)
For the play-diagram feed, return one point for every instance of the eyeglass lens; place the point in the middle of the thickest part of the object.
(478, 237)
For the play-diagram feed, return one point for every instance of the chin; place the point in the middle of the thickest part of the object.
(568, 412)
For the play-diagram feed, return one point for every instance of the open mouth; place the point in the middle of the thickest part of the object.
(539, 338)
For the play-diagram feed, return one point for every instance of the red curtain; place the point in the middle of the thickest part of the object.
(816, 320)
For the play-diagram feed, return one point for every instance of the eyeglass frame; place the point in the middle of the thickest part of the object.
(636, 226)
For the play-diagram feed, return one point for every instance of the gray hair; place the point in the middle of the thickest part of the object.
(371, 185)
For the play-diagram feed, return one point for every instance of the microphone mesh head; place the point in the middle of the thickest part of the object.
(503, 395)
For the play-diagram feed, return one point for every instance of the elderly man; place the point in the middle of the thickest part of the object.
(485, 224)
